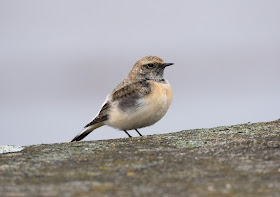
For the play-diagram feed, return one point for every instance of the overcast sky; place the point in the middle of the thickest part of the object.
(59, 60)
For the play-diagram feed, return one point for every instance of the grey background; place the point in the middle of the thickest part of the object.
(59, 60)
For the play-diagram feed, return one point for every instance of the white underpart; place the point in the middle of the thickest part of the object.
(152, 108)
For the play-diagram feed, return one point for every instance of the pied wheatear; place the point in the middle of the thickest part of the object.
(140, 100)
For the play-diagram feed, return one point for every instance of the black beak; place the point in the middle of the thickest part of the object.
(167, 64)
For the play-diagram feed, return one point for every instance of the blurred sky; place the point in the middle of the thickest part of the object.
(59, 60)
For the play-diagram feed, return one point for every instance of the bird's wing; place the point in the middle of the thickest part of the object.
(102, 115)
(96, 122)
(128, 97)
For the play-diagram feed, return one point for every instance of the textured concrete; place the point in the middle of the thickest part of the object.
(239, 160)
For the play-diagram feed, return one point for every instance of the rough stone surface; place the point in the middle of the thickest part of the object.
(10, 148)
(239, 160)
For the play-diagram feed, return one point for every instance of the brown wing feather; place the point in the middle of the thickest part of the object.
(102, 116)
(129, 95)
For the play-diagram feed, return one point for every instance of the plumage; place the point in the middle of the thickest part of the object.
(128, 95)
(140, 100)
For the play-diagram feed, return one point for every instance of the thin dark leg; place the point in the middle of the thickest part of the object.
(127, 133)
(138, 132)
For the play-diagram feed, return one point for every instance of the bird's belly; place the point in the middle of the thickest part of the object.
(151, 109)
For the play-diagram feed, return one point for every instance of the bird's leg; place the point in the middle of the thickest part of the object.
(138, 132)
(127, 133)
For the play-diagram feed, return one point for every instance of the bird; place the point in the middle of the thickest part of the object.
(140, 100)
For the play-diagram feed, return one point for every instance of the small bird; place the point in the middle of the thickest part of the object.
(140, 100)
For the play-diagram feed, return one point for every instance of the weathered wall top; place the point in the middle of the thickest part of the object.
(239, 160)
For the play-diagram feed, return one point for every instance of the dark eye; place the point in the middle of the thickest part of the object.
(150, 65)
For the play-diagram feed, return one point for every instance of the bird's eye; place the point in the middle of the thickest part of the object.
(150, 65)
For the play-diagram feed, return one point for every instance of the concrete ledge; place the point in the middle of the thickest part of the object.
(239, 160)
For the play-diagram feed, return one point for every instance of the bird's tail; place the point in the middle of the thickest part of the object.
(87, 131)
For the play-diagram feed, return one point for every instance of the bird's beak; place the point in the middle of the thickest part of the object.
(167, 64)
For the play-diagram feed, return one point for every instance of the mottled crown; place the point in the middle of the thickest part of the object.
(140, 71)
(149, 59)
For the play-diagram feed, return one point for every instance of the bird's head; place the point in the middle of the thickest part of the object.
(149, 68)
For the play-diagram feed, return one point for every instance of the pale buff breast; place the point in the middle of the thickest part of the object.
(152, 108)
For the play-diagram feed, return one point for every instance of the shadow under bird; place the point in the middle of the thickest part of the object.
(140, 100)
